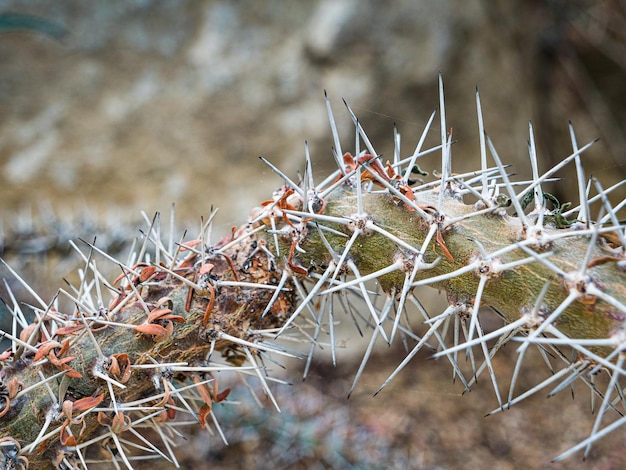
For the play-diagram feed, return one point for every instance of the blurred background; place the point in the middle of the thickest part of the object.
(109, 108)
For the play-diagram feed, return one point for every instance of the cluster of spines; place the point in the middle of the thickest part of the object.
(536, 232)
(99, 384)
(314, 252)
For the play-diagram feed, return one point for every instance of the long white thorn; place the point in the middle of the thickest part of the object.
(30, 290)
(367, 300)
(418, 148)
(52, 378)
(154, 235)
(591, 200)
(18, 342)
(381, 272)
(433, 329)
(306, 180)
(359, 192)
(309, 172)
(532, 151)
(489, 364)
(531, 318)
(553, 170)
(483, 149)
(248, 344)
(366, 356)
(345, 252)
(241, 238)
(120, 451)
(146, 238)
(444, 277)
(534, 389)
(331, 326)
(611, 213)
(371, 225)
(259, 374)
(314, 342)
(484, 338)
(289, 181)
(16, 311)
(279, 287)
(573, 295)
(591, 439)
(583, 213)
(406, 289)
(337, 153)
(446, 156)
(509, 187)
(476, 307)
(360, 131)
(308, 298)
(396, 145)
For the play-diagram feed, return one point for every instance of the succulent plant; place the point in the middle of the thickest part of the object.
(89, 375)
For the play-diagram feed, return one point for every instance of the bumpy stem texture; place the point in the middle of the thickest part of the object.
(513, 291)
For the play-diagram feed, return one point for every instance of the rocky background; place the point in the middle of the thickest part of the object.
(109, 108)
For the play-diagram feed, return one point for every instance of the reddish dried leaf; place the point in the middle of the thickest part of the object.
(190, 292)
(443, 246)
(68, 330)
(65, 348)
(122, 369)
(64, 436)
(26, 332)
(65, 360)
(169, 330)
(45, 348)
(206, 268)
(203, 412)
(222, 395)
(146, 273)
(190, 244)
(120, 423)
(119, 278)
(171, 412)
(114, 368)
(613, 238)
(87, 403)
(14, 387)
(151, 329)
(188, 262)
(603, 260)
(73, 374)
(118, 300)
(68, 408)
(125, 274)
(202, 390)
(157, 313)
(54, 360)
(297, 269)
(168, 413)
(209, 308)
(103, 419)
(166, 397)
(7, 404)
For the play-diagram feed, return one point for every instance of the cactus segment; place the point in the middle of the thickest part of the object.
(90, 375)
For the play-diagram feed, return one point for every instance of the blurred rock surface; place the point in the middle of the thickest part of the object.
(144, 103)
